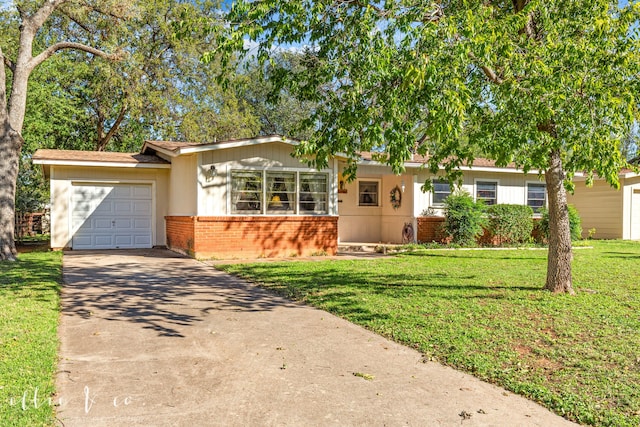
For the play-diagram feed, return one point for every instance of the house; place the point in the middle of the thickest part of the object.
(242, 198)
(250, 198)
(613, 214)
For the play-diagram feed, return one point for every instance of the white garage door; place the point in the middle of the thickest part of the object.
(111, 216)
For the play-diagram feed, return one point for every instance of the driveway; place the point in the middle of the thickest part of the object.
(149, 338)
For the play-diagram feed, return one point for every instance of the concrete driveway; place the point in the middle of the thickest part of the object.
(149, 338)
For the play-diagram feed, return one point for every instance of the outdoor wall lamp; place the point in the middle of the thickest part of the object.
(402, 186)
(211, 172)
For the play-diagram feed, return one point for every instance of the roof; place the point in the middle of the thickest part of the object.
(174, 148)
(43, 156)
(417, 160)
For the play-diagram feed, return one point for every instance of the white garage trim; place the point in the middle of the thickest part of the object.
(115, 214)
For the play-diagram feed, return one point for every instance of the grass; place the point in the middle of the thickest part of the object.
(29, 310)
(485, 312)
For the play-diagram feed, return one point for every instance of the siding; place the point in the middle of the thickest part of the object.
(600, 207)
(183, 191)
(213, 195)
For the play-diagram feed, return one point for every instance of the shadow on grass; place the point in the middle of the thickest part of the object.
(32, 273)
(622, 255)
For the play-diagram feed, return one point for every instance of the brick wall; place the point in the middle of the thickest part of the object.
(253, 236)
(429, 229)
(180, 234)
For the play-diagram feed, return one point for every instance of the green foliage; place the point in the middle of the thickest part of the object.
(278, 110)
(575, 223)
(464, 219)
(513, 80)
(29, 313)
(510, 223)
(483, 312)
(31, 194)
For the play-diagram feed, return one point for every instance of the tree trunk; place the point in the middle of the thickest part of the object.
(560, 254)
(10, 148)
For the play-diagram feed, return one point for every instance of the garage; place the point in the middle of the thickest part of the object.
(111, 216)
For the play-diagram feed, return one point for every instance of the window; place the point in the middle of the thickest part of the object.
(246, 192)
(487, 191)
(441, 190)
(281, 192)
(368, 193)
(313, 193)
(536, 196)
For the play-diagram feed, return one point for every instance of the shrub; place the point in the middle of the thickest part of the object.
(464, 218)
(574, 223)
(510, 223)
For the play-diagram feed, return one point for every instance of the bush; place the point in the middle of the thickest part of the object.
(510, 223)
(464, 218)
(574, 223)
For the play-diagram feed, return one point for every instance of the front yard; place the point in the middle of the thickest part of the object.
(29, 312)
(484, 312)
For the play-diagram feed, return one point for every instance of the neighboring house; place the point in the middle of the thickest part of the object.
(250, 198)
(614, 214)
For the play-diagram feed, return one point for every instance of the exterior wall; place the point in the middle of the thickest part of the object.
(384, 224)
(512, 187)
(600, 207)
(428, 229)
(252, 237)
(62, 177)
(631, 208)
(183, 186)
(212, 193)
(372, 224)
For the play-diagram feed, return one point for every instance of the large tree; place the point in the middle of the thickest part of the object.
(16, 65)
(548, 85)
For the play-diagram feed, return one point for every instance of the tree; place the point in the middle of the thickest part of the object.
(279, 112)
(16, 65)
(547, 85)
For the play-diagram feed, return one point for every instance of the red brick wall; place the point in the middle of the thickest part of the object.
(252, 236)
(429, 229)
(180, 234)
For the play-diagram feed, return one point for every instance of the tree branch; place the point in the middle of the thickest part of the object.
(3, 86)
(8, 63)
(102, 142)
(38, 19)
(488, 71)
(47, 53)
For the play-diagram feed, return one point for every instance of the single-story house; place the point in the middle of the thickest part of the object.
(251, 198)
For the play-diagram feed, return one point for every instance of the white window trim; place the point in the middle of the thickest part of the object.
(263, 210)
(431, 194)
(526, 195)
(475, 188)
(379, 181)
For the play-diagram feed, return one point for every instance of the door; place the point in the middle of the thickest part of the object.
(635, 214)
(111, 216)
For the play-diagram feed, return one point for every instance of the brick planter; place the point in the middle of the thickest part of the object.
(429, 229)
(252, 236)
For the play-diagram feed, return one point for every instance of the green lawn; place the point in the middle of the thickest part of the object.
(29, 311)
(484, 312)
